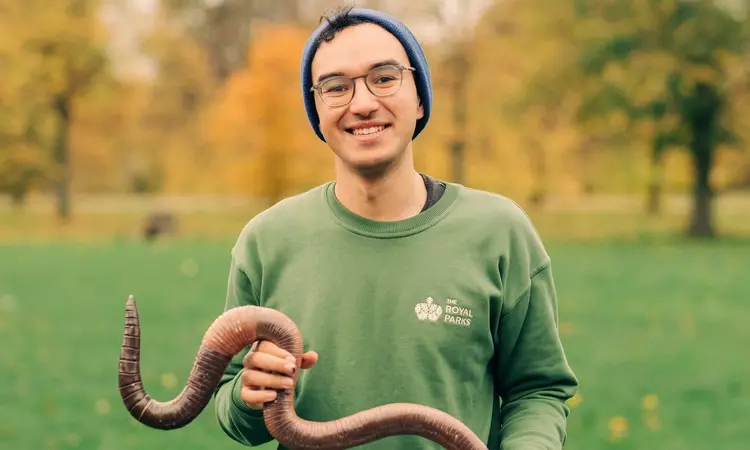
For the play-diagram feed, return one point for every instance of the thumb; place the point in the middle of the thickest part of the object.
(309, 359)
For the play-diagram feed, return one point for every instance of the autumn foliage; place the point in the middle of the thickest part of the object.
(258, 129)
(539, 122)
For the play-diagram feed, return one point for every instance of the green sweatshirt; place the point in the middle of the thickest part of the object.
(454, 308)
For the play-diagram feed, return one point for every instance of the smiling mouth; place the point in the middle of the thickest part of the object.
(367, 131)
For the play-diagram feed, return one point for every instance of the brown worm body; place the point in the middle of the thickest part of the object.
(238, 328)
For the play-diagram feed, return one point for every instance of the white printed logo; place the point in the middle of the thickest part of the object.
(454, 314)
(428, 310)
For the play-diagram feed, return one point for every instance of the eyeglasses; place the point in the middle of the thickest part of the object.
(381, 81)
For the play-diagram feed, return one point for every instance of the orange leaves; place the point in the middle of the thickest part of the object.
(259, 129)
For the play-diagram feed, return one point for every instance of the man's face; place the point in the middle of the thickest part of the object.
(353, 52)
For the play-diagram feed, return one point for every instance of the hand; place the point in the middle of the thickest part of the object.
(267, 368)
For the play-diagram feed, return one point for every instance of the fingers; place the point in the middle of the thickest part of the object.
(268, 356)
(255, 399)
(273, 349)
(309, 359)
(255, 379)
(258, 386)
(267, 368)
(270, 363)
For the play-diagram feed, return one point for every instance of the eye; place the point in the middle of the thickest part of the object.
(335, 86)
(385, 79)
(384, 76)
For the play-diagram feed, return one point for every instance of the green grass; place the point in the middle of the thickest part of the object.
(659, 318)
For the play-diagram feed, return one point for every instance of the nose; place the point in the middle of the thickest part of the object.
(364, 102)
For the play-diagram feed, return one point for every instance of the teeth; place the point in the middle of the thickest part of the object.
(371, 130)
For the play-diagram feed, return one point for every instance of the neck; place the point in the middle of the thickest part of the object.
(397, 194)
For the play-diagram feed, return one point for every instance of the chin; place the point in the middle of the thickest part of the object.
(371, 165)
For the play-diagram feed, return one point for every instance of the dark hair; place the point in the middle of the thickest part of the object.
(337, 19)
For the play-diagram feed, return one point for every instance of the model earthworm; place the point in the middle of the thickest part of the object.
(228, 335)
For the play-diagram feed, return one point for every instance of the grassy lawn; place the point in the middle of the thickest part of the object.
(656, 335)
(653, 328)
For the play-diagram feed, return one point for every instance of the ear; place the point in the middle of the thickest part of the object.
(420, 110)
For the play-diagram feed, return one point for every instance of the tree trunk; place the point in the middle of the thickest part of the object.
(701, 224)
(538, 193)
(653, 200)
(62, 158)
(458, 145)
(18, 197)
(225, 35)
(588, 147)
(458, 157)
(539, 161)
(706, 104)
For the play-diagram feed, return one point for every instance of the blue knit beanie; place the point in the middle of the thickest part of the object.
(413, 50)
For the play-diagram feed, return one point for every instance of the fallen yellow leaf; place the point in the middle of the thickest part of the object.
(566, 329)
(575, 400)
(168, 380)
(102, 407)
(618, 427)
(650, 402)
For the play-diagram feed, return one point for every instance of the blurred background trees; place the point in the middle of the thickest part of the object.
(533, 99)
(615, 124)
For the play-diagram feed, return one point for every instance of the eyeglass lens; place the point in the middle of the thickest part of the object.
(384, 80)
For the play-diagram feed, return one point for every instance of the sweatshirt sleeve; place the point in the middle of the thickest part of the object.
(239, 422)
(533, 377)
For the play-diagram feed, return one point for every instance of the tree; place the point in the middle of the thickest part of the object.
(522, 43)
(676, 55)
(261, 137)
(220, 28)
(58, 57)
(458, 18)
(24, 163)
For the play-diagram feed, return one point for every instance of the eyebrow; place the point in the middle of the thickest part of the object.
(387, 62)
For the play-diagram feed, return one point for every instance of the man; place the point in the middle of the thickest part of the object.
(409, 289)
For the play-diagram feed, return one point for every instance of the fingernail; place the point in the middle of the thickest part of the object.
(290, 368)
(288, 382)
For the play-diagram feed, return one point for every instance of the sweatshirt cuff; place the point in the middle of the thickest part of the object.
(237, 401)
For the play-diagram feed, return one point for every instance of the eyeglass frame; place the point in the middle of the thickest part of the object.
(400, 67)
